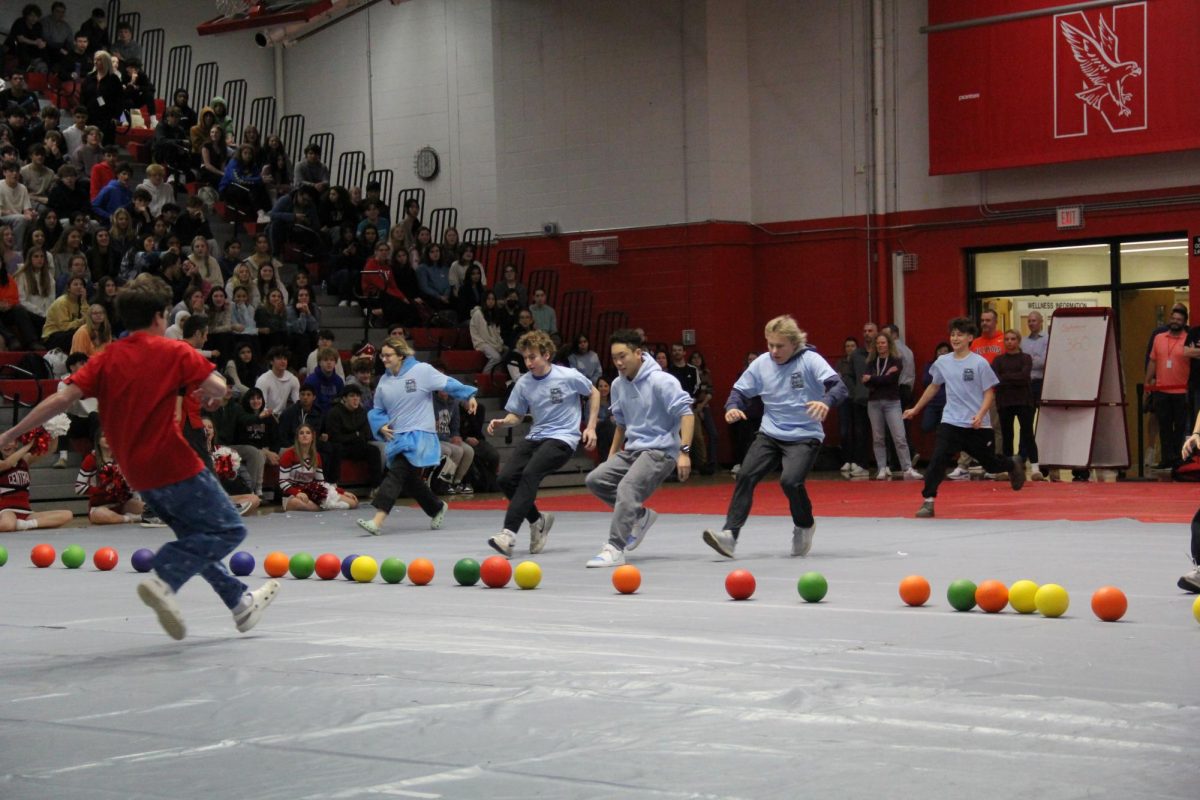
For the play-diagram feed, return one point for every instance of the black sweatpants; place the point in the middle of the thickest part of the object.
(522, 475)
(765, 455)
(979, 443)
(402, 475)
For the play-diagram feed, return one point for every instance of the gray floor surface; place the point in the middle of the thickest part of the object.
(573, 691)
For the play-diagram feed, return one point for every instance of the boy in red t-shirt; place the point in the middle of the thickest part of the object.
(137, 381)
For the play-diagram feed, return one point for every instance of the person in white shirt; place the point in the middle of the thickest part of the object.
(280, 388)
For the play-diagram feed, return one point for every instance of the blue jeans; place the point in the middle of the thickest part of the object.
(208, 527)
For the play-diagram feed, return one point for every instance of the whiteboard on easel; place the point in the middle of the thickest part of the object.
(1075, 357)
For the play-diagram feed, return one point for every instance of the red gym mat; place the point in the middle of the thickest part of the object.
(1145, 502)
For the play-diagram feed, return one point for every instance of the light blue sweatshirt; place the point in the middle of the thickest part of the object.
(786, 389)
(650, 408)
(404, 402)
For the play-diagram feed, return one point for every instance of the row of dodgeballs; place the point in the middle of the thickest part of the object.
(1025, 597)
(495, 572)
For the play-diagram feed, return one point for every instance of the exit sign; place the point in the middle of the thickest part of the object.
(1070, 217)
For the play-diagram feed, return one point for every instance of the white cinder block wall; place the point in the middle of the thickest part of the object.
(628, 113)
(235, 53)
(393, 79)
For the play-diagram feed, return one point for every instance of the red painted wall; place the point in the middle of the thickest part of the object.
(726, 279)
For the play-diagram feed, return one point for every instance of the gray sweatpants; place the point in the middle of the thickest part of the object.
(767, 454)
(625, 481)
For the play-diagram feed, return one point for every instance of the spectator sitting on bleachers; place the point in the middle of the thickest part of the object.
(137, 90)
(16, 209)
(268, 276)
(10, 253)
(334, 210)
(507, 314)
(346, 265)
(303, 322)
(301, 477)
(16, 95)
(192, 304)
(584, 360)
(373, 217)
(67, 197)
(485, 332)
(214, 155)
(277, 167)
(219, 311)
(508, 283)
(416, 250)
(77, 267)
(457, 455)
(325, 341)
(35, 285)
(298, 208)
(278, 386)
(461, 265)
(13, 315)
(187, 115)
(57, 32)
(137, 260)
(18, 130)
(67, 246)
(25, 40)
(325, 381)
(515, 361)
(114, 195)
(242, 370)
(170, 148)
(242, 319)
(125, 46)
(230, 257)
(139, 209)
(434, 280)
(56, 149)
(105, 294)
(451, 245)
(242, 185)
(350, 435)
(74, 135)
(94, 334)
(271, 320)
(243, 278)
(102, 172)
(37, 177)
(64, 315)
(193, 223)
(156, 186)
(95, 28)
(486, 466)
(259, 428)
(76, 61)
(302, 412)
(472, 292)
(206, 266)
(360, 377)
(90, 155)
(199, 132)
(373, 195)
(311, 172)
(544, 318)
(401, 301)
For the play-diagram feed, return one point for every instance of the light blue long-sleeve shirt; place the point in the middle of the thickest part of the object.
(786, 389)
(403, 401)
(650, 408)
(553, 400)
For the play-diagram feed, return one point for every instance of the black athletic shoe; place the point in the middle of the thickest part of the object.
(1016, 473)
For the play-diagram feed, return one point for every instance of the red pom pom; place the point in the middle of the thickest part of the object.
(41, 441)
(316, 492)
(223, 466)
(111, 482)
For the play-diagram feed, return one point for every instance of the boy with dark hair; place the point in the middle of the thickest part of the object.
(324, 380)
(654, 422)
(105, 171)
(966, 424)
(117, 194)
(137, 381)
(67, 197)
(549, 392)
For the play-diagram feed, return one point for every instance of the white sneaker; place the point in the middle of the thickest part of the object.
(959, 474)
(61, 463)
(253, 604)
(846, 467)
(737, 469)
(721, 541)
(802, 539)
(538, 531)
(913, 475)
(1035, 473)
(503, 542)
(608, 556)
(243, 508)
(1190, 581)
(344, 304)
(435, 522)
(858, 472)
(354, 304)
(649, 515)
(883, 475)
(155, 593)
(264, 218)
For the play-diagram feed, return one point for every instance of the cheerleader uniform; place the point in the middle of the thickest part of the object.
(296, 477)
(14, 490)
(105, 486)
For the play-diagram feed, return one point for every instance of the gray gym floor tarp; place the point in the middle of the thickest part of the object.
(573, 691)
